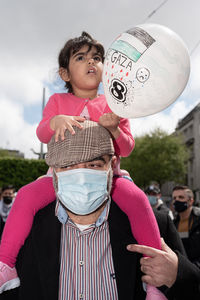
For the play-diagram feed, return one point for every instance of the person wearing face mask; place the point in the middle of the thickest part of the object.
(78, 245)
(7, 199)
(187, 221)
(154, 195)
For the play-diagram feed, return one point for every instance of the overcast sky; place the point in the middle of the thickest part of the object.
(32, 33)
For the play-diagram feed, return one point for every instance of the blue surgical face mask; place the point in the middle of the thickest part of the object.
(152, 199)
(82, 190)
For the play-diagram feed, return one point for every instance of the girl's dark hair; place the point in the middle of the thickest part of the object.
(72, 46)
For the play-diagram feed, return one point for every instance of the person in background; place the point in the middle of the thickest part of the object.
(7, 199)
(154, 195)
(187, 221)
(1, 220)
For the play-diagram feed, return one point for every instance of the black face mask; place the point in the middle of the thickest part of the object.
(180, 206)
(7, 200)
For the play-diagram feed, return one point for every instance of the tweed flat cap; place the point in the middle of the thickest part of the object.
(86, 144)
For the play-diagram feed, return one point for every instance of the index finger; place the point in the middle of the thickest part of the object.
(145, 250)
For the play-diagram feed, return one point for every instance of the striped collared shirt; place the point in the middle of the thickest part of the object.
(86, 267)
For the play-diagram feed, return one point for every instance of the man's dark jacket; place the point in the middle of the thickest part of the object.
(38, 263)
(192, 243)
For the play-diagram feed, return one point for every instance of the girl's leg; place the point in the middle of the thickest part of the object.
(136, 206)
(29, 200)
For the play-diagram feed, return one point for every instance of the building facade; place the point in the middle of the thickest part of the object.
(189, 127)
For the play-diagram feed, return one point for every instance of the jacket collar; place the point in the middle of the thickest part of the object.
(194, 218)
(46, 234)
(196, 211)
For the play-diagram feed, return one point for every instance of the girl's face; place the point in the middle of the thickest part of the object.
(85, 71)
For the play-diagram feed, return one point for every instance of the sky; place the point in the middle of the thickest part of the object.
(32, 34)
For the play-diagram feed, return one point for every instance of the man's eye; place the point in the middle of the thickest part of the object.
(95, 165)
(66, 168)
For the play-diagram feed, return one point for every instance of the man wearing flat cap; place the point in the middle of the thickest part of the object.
(77, 248)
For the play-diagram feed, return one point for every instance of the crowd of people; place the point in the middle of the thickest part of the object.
(80, 231)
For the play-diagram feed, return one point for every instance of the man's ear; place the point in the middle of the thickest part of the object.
(113, 161)
(64, 74)
(191, 201)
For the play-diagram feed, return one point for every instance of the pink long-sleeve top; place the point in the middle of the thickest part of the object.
(68, 104)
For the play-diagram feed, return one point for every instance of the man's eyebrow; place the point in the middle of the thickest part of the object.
(98, 158)
(179, 196)
(94, 159)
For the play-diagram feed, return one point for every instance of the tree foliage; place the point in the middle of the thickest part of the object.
(157, 157)
(19, 172)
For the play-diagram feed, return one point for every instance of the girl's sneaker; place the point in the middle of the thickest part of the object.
(8, 278)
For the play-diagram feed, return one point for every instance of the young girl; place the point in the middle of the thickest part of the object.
(80, 66)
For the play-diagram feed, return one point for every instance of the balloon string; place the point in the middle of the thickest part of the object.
(195, 47)
(155, 10)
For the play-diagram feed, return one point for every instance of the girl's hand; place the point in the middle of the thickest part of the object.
(111, 122)
(60, 123)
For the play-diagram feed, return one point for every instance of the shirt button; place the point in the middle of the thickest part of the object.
(81, 262)
(81, 296)
(86, 100)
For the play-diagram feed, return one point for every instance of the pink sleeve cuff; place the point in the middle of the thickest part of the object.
(44, 132)
(124, 144)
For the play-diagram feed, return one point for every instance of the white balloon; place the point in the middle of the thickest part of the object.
(145, 70)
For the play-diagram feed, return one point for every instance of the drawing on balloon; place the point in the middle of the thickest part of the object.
(145, 70)
(120, 61)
